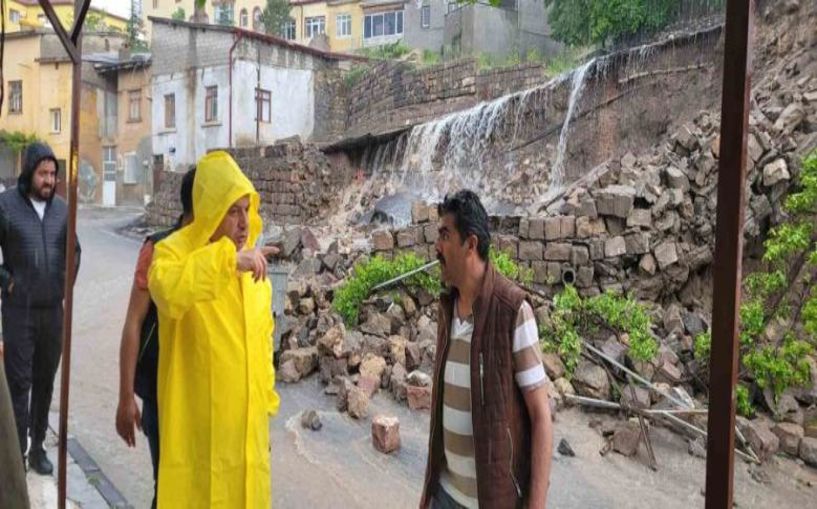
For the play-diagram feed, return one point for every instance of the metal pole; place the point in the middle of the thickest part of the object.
(72, 42)
(720, 461)
(404, 276)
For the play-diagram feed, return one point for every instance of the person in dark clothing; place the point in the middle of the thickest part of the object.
(33, 232)
(139, 351)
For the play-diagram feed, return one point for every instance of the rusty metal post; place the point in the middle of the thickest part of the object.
(72, 42)
(720, 460)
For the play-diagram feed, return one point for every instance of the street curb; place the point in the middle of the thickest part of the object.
(93, 474)
(96, 477)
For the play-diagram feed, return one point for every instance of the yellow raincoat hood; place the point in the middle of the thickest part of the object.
(216, 382)
(218, 184)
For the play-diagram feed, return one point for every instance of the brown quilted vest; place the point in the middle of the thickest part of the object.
(502, 434)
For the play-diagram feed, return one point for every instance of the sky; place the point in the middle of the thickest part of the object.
(118, 7)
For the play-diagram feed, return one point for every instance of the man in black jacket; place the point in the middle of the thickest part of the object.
(33, 232)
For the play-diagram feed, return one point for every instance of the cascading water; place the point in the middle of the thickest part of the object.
(557, 173)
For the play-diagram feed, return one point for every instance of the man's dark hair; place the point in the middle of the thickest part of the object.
(470, 218)
(186, 191)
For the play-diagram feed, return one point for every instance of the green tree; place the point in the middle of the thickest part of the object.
(179, 14)
(95, 22)
(275, 16)
(136, 27)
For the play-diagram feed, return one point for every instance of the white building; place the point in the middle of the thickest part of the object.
(219, 87)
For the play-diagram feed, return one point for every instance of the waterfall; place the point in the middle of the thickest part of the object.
(557, 173)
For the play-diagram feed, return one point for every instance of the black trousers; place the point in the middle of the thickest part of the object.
(33, 345)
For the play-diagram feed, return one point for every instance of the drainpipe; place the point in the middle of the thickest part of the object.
(239, 36)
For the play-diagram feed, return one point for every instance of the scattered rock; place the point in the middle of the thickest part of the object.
(564, 387)
(790, 436)
(565, 449)
(554, 367)
(372, 365)
(642, 397)
(419, 379)
(377, 325)
(676, 179)
(697, 448)
(304, 362)
(397, 349)
(626, 439)
(287, 372)
(616, 201)
(332, 342)
(614, 247)
(763, 441)
(386, 433)
(791, 118)
(591, 380)
(306, 306)
(369, 385)
(311, 420)
(419, 398)
(358, 403)
(808, 451)
(397, 382)
(666, 254)
(383, 240)
(776, 171)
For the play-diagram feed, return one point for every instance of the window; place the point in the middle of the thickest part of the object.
(223, 13)
(263, 105)
(314, 26)
(245, 18)
(383, 24)
(256, 19)
(211, 104)
(425, 16)
(15, 96)
(290, 33)
(344, 25)
(134, 106)
(14, 16)
(56, 120)
(131, 173)
(170, 111)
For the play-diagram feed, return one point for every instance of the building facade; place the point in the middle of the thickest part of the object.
(28, 15)
(219, 87)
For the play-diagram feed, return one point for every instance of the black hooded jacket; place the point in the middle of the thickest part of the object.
(33, 249)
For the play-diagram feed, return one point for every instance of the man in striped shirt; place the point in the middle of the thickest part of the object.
(491, 439)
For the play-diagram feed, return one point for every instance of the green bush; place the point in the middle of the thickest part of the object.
(774, 364)
(779, 368)
(354, 75)
(431, 57)
(358, 286)
(744, 402)
(574, 317)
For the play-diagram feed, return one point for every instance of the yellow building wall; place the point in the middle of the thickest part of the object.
(45, 87)
(30, 16)
(330, 10)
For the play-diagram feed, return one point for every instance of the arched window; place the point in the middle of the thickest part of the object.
(244, 18)
(256, 18)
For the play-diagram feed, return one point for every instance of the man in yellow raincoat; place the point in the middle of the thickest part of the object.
(215, 379)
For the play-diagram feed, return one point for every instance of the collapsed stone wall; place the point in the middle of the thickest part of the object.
(392, 95)
(295, 181)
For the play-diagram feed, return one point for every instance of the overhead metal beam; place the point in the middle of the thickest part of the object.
(737, 64)
(67, 42)
(80, 12)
